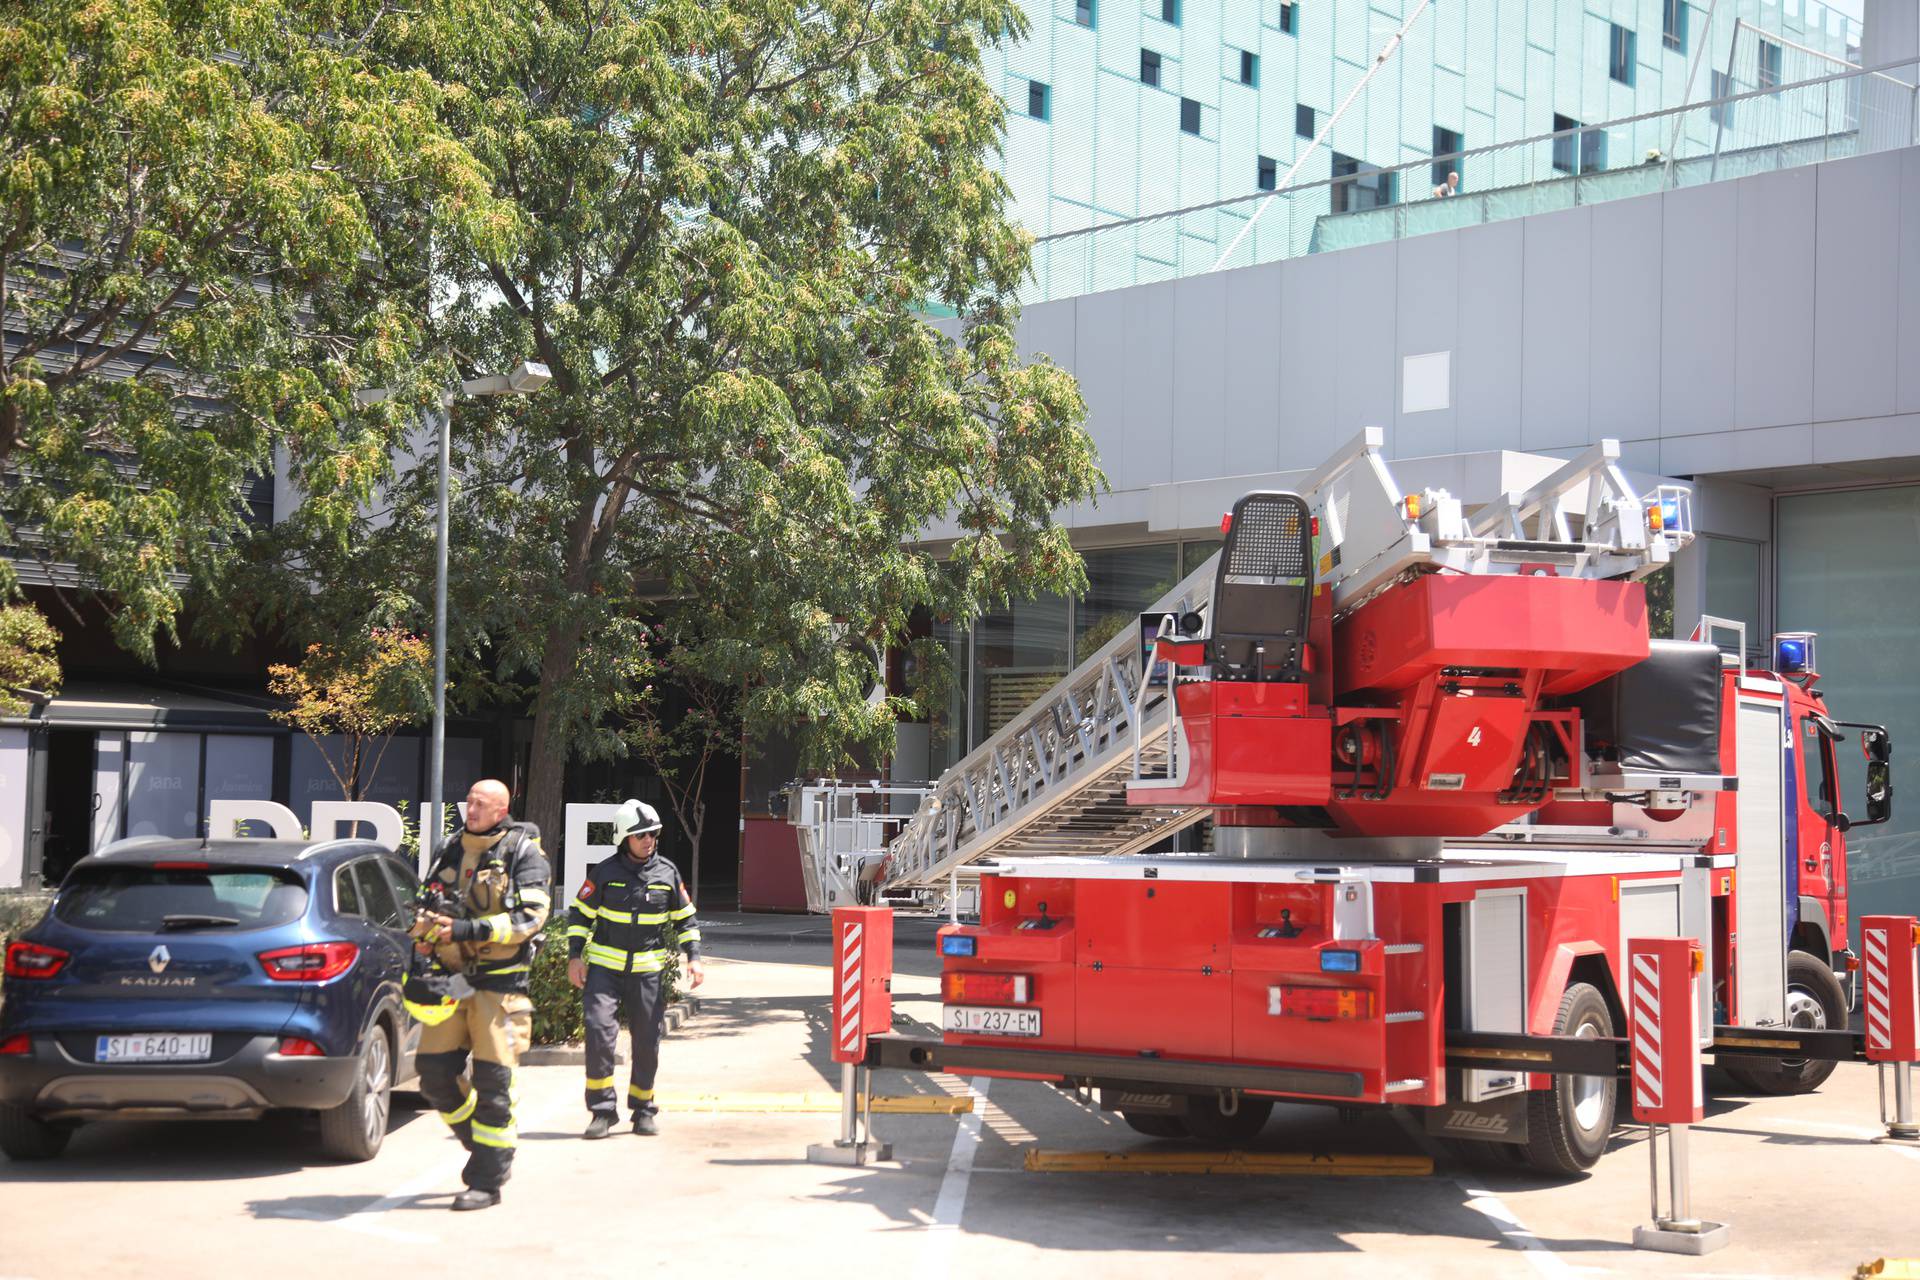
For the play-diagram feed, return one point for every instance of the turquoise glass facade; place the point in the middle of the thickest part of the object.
(1124, 108)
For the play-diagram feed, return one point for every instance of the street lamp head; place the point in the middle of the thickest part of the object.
(527, 377)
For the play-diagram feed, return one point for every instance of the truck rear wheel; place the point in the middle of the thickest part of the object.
(1209, 1124)
(1569, 1122)
(1155, 1126)
(1815, 1002)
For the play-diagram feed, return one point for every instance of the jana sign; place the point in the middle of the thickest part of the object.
(333, 819)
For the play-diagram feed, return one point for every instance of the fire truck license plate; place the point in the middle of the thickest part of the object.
(993, 1022)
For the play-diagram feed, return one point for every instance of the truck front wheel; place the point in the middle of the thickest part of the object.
(1815, 1002)
(1569, 1122)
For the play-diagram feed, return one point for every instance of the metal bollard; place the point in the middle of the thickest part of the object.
(1892, 1004)
(1663, 1024)
(862, 1006)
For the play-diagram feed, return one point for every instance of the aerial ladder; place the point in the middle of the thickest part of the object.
(1055, 780)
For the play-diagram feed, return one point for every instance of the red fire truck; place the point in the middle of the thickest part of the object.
(1430, 773)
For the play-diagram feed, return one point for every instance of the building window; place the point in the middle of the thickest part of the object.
(1589, 146)
(1170, 11)
(1249, 68)
(1189, 116)
(1037, 104)
(1445, 143)
(1149, 67)
(1769, 64)
(1269, 173)
(1083, 12)
(1620, 55)
(1289, 21)
(1366, 187)
(1673, 25)
(1303, 120)
(1120, 583)
(1721, 112)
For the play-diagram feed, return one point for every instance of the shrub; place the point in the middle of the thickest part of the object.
(558, 1017)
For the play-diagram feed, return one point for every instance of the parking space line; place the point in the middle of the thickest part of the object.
(936, 1255)
(1491, 1207)
(1255, 1163)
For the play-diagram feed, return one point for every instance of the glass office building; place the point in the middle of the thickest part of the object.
(1120, 109)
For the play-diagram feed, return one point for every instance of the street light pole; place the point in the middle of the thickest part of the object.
(523, 379)
(436, 765)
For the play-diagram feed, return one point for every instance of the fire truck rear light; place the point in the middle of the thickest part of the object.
(958, 944)
(1321, 1004)
(1339, 962)
(988, 988)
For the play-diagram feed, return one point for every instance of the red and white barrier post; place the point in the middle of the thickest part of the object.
(1892, 1004)
(1663, 1026)
(862, 1006)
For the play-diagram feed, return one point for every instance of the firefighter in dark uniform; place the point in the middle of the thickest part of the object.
(617, 930)
(496, 871)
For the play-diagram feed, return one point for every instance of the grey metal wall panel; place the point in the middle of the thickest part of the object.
(1856, 310)
(1753, 450)
(1047, 330)
(1366, 390)
(1427, 320)
(1624, 395)
(1311, 339)
(1774, 299)
(1556, 310)
(1256, 363)
(1148, 379)
(1908, 358)
(1492, 338)
(1199, 378)
(1697, 299)
(1099, 362)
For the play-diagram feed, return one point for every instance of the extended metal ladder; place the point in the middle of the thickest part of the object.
(1054, 779)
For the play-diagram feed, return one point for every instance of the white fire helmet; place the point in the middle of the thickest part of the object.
(634, 818)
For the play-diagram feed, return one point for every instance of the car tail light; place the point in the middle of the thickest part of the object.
(295, 1047)
(315, 962)
(31, 960)
(988, 988)
(15, 1046)
(1322, 1004)
(182, 866)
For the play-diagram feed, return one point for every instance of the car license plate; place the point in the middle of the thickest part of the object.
(992, 1022)
(156, 1047)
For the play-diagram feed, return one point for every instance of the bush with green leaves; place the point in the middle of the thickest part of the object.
(558, 1017)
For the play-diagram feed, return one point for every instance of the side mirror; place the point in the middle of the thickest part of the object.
(1879, 791)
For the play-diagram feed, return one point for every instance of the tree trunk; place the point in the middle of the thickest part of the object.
(547, 774)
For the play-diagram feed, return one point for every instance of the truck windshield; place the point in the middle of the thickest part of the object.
(134, 898)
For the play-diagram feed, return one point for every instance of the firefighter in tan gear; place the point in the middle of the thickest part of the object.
(617, 947)
(485, 899)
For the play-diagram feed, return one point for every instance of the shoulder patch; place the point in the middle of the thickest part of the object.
(586, 888)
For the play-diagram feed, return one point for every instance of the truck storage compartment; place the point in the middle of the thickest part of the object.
(1659, 715)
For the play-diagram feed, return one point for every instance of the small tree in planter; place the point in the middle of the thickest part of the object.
(360, 692)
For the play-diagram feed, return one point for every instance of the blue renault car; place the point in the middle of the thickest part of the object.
(217, 979)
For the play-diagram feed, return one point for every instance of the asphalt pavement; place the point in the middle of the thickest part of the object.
(731, 1193)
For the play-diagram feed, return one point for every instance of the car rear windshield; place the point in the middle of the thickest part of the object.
(133, 898)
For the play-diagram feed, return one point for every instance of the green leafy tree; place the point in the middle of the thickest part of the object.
(27, 660)
(359, 693)
(212, 228)
(739, 213)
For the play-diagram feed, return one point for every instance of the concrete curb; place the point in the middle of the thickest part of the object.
(575, 1055)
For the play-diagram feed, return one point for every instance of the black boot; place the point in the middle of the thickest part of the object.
(644, 1125)
(600, 1126)
(475, 1198)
